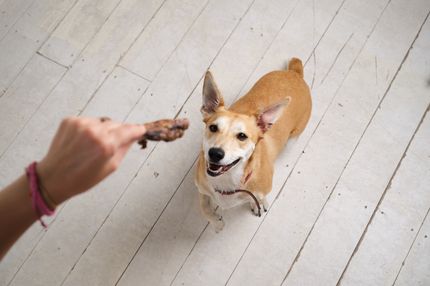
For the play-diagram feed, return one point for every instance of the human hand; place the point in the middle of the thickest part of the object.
(83, 152)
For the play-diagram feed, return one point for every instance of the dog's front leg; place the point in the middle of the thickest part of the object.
(209, 213)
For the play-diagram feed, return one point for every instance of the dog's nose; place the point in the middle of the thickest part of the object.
(216, 154)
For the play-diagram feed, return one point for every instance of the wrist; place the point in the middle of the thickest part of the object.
(52, 204)
(39, 204)
(50, 187)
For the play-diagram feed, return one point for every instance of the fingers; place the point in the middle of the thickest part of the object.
(102, 125)
(110, 126)
(127, 133)
(113, 135)
(122, 133)
(110, 131)
(107, 124)
(106, 134)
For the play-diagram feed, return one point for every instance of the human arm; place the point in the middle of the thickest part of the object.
(83, 152)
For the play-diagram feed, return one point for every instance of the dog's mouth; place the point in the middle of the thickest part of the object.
(216, 169)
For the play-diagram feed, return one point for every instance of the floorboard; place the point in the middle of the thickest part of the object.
(11, 11)
(169, 242)
(70, 97)
(77, 29)
(414, 270)
(301, 201)
(341, 209)
(24, 97)
(364, 183)
(27, 35)
(162, 37)
(379, 257)
(146, 205)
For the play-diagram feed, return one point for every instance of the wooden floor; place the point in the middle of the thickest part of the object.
(351, 196)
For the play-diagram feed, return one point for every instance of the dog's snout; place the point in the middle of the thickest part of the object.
(216, 154)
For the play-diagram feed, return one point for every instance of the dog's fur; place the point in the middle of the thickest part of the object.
(278, 106)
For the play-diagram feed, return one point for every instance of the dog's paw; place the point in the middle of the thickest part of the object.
(218, 224)
(265, 205)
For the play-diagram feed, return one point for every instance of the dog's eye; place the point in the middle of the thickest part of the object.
(242, 136)
(213, 128)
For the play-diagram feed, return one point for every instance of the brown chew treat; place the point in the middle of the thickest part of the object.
(164, 130)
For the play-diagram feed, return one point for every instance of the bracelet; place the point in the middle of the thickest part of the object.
(45, 195)
(39, 204)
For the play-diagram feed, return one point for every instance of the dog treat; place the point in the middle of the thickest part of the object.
(164, 130)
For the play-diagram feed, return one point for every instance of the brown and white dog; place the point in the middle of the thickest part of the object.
(242, 142)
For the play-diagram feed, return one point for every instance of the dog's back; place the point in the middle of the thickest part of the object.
(273, 88)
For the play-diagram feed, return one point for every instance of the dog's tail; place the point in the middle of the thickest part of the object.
(296, 65)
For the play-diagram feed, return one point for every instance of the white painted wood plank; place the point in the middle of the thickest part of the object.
(79, 84)
(27, 35)
(168, 232)
(17, 106)
(107, 109)
(77, 29)
(285, 227)
(363, 183)
(10, 12)
(211, 260)
(77, 87)
(88, 230)
(416, 267)
(161, 37)
(161, 255)
(17, 255)
(186, 66)
(141, 207)
(115, 98)
(175, 246)
(25, 95)
(394, 227)
(186, 197)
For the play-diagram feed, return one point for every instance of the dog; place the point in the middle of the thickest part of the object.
(241, 143)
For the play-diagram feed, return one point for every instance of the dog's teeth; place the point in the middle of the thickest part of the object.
(215, 168)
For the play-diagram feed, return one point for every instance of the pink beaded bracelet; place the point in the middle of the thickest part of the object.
(38, 203)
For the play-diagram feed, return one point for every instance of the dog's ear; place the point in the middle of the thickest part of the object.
(268, 116)
(212, 98)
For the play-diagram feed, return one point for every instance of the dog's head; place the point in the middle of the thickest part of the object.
(230, 137)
